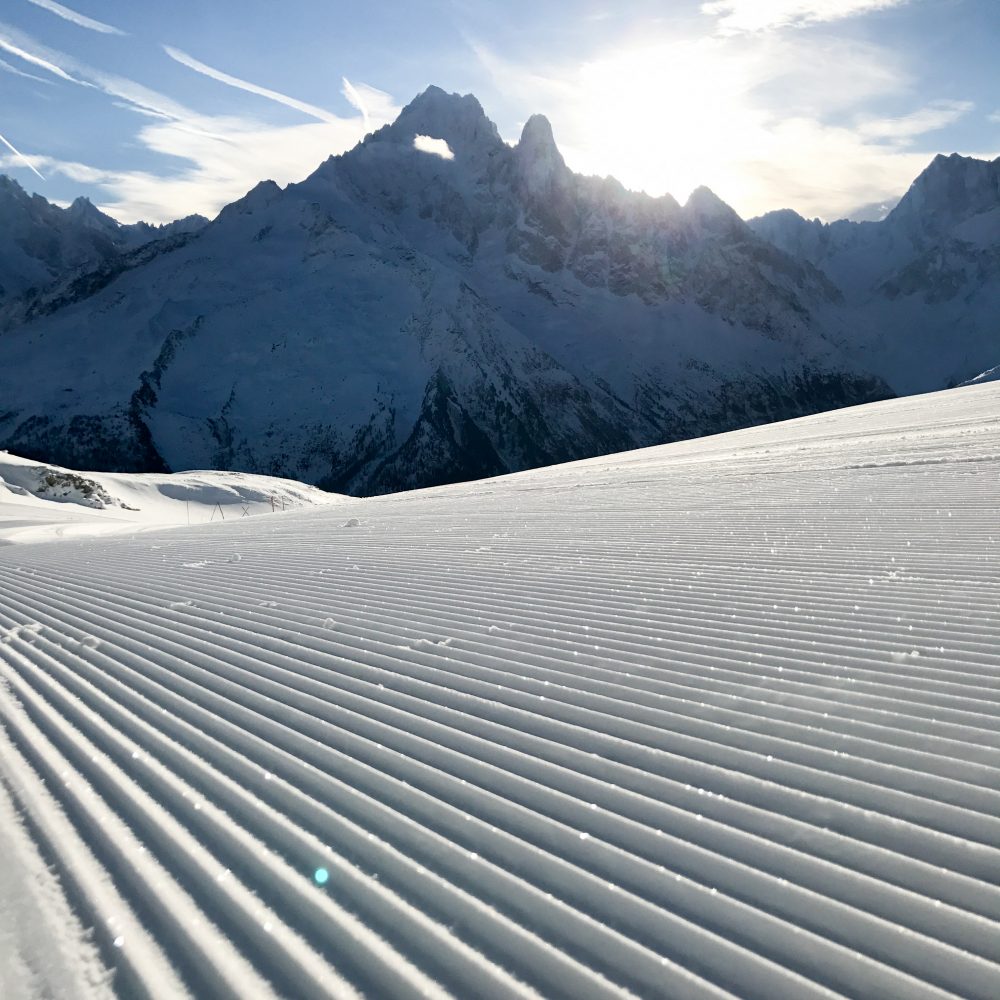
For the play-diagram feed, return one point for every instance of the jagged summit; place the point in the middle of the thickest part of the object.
(82, 206)
(84, 212)
(458, 119)
(10, 186)
(787, 216)
(13, 196)
(261, 194)
(706, 209)
(538, 157)
(950, 190)
(537, 134)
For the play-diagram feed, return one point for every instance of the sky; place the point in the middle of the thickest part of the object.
(158, 110)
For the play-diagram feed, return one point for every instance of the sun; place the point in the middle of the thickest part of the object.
(666, 118)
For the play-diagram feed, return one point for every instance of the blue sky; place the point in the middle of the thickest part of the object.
(156, 110)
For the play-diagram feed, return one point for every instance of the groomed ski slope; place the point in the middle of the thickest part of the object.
(719, 718)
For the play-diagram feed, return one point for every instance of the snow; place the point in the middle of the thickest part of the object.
(34, 962)
(990, 375)
(711, 719)
(40, 502)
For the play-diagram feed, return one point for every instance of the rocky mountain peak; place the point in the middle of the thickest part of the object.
(707, 211)
(950, 190)
(15, 202)
(258, 197)
(537, 138)
(538, 158)
(82, 206)
(84, 212)
(458, 119)
(10, 188)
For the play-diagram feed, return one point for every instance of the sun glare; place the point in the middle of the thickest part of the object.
(666, 118)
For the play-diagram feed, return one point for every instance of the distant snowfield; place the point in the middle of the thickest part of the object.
(719, 718)
(41, 502)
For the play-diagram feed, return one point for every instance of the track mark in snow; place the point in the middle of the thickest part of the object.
(710, 720)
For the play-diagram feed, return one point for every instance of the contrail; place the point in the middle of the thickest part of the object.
(355, 98)
(71, 15)
(20, 155)
(234, 81)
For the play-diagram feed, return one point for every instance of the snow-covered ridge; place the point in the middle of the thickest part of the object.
(42, 245)
(40, 502)
(715, 719)
(990, 375)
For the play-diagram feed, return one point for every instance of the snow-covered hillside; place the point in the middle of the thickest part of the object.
(714, 719)
(40, 502)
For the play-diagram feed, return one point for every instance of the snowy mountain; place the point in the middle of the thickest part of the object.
(43, 247)
(710, 720)
(921, 289)
(436, 305)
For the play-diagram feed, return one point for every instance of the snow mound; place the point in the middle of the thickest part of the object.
(706, 720)
(40, 501)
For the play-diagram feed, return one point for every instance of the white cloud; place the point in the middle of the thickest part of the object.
(372, 103)
(738, 16)
(436, 147)
(214, 159)
(222, 158)
(354, 98)
(80, 19)
(904, 129)
(20, 156)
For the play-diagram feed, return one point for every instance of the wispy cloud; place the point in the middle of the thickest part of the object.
(220, 158)
(321, 114)
(79, 19)
(209, 160)
(904, 129)
(374, 104)
(738, 16)
(7, 68)
(354, 98)
(20, 156)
